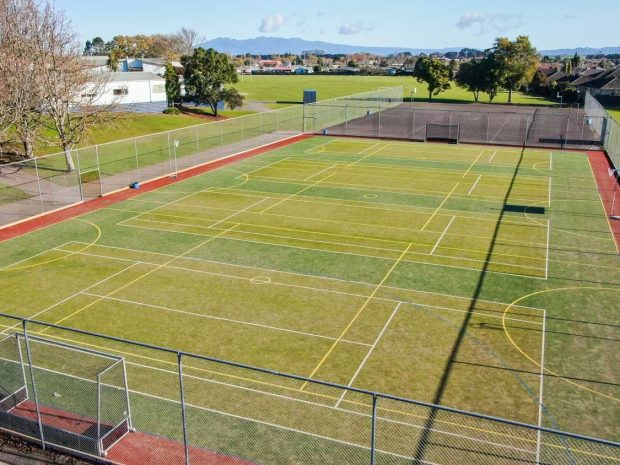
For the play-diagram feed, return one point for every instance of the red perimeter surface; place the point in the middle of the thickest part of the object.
(606, 186)
(142, 449)
(80, 209)
(57, 418)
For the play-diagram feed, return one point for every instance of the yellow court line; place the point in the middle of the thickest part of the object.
(141, 277)
(9, 268)
(356, 316)
(439, 207)
(527, 356)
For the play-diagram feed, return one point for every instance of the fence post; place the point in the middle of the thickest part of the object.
(260, 122)
(135, 149)
(36, 170)
(197, 146)
(33, 382)
(98, 170)
(169, 154)
(99, 445)
(221, 138)
(373, 430)
(527, 129)
(79, 175)
(242, 134)
(183, 413)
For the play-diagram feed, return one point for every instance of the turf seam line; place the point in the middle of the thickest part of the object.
(369, 353)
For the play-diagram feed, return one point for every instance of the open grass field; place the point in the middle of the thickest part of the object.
(285, 89)
(474, 277)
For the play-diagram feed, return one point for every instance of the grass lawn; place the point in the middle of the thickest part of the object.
(126, 125)
(285, 89)
(418, 270)
(9, 194)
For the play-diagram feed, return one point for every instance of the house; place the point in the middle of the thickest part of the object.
(600, 82)
(139, 92)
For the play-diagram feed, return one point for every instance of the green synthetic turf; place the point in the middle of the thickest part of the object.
(308, 258)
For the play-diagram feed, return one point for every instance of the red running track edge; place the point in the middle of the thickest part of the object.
(51, 218)
(143, 449)
(607, 185)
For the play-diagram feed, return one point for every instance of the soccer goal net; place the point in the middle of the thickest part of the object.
(62, 395)
(443, 132)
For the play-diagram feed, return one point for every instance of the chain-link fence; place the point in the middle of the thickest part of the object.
(35, 186)
(478, 124)
(61, 395)
(190, 409)
(605, 126)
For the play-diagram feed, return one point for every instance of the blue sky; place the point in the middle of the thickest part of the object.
(406, 23)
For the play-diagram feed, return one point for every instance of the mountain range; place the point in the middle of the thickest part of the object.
(279, 45)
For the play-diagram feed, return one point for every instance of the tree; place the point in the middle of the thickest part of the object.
(71, 92)
(492, 71)
(206, 74)
(113, 61)
(173, 85)
(576, 60)
(22, 90)
(187, 40)
(435, 73)
(518, 62)
(298, 61)
(471, 76)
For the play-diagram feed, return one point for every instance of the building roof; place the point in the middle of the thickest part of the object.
(96, 60)
(136, 76)
(604, 79)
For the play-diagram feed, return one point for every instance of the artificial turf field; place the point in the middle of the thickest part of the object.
(450, 274)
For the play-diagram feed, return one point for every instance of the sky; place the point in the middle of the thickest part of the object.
(400, 23)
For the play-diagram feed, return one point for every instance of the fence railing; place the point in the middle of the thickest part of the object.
(528, 127)
(606, 126)
(198, 409)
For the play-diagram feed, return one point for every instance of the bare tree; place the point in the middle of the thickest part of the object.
(21, 98)
(71, 100)
(187, 40)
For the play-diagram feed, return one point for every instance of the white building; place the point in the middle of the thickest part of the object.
(135, 91)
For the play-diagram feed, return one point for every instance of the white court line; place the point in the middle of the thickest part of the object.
(442, 235)
(550, 161)
(368, 354)
(475, 184)
(330, 251)
(320, 278)
(41, 312)
(31, 257)
(473, 163)
(298, 192)
(227, 320)
(223, 220)
(320, 172)
(541, 387)
(492, 157)
(547, 250)
(369, 154)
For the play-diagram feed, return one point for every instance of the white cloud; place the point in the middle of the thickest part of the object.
(348, 29)
(498, 22)
(272, 23)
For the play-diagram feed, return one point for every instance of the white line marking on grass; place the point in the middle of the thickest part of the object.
(320, 278)
(475, 184)
(224, 220)
(158, 267)
(549, 194)
(492, 157)
(541, 388)
(550, 161)
(442, 235)
(320, 172)
(316, 148)
(547, 249)
(45, 310)
(359, 312)
(228, 320)
(439, 207)
(368, 354)
(315, 183)
(369, 154)
(473, 163)
(31, 257)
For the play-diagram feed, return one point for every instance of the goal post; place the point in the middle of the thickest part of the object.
(62, 395)
(436, 132)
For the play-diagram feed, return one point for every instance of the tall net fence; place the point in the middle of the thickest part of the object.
(61, 395)
(190, 409)
(605, 126)
(35, 186)
(478, 124)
